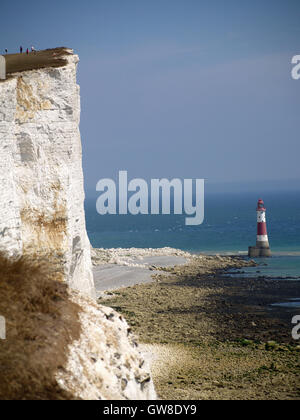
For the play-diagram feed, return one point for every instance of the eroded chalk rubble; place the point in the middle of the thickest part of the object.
(105, 363)
(133, 257)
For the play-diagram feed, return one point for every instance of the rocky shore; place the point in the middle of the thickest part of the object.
(211, 336)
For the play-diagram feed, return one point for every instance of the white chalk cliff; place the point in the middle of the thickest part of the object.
(41, 180)
(42, 213)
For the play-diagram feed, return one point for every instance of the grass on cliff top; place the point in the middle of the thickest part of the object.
(36, 60)
(40, 323)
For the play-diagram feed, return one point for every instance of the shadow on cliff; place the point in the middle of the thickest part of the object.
(41, 321)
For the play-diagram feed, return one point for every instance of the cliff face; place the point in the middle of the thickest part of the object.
(76, 348)
(41, 178)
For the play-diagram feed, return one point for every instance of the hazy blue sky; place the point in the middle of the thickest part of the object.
(177, 88)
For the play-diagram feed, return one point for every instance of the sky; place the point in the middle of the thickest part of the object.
(177, 88)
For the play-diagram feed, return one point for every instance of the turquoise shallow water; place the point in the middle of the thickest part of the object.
(280, 267)
(285, 267)
(229, 227)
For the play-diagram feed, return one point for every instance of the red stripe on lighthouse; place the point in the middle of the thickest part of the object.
(262, 228)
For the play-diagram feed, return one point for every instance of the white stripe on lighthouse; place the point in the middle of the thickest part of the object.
(261, 217)
(262, 238)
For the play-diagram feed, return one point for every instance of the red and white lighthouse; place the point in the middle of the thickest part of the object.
(262, 248)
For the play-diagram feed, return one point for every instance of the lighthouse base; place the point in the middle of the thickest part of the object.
(256, 252)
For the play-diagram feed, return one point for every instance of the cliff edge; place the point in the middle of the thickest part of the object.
(59, 343)
(41, 177)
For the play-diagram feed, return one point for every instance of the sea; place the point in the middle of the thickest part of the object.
(229, 227)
